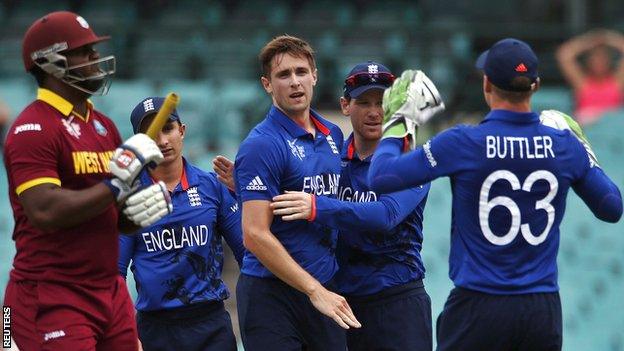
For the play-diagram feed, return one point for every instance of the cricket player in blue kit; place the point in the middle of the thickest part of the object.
(177, 262)
(380, 236)
(283, 296)
(510, 176)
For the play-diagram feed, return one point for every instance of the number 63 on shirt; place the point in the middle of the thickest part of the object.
(486, 206)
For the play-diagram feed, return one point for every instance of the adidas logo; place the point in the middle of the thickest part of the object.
(521, 68)
(256, 184)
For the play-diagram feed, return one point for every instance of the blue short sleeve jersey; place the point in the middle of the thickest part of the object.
(278, 155)
(178, 261)
(510, 176)
(380, 236)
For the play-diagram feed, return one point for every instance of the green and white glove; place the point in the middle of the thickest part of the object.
(408, 104)
(559, 120)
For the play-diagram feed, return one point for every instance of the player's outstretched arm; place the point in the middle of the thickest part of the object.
(600, 194)
(257, 238)
(410, 102)
(596, 189)
(379, 216)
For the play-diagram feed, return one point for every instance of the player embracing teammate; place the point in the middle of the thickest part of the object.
(510, 176)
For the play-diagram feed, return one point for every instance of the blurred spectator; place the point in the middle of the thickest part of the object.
(599, 83)
(4, 121)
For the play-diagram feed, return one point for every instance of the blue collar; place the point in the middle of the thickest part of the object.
(512, 117)
(275, 115)
(189, 177)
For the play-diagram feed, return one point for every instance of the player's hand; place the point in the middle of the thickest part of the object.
(148, 205)
(335, 307)
(292, 205)
(132, 156)
(409, 103)
(225, 171)
(559, 120)
(120, 189)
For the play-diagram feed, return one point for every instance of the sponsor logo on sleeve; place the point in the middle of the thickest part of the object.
(256, 185)
(234, 207)
(28, 127)
(430, 158)
(54, 335)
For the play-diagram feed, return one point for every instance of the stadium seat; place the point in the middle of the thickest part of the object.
(552, 98)
(106, 15)
(20, 14)
(120, 101)
(17, 93)
(11, 64)
(189, 13)
(261, 12)
(324, 14)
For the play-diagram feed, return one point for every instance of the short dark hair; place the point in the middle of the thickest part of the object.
(523, 89)
(285, 44)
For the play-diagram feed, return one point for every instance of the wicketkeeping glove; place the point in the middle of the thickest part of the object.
(132, 156)
(559, 120)
(147, 206)
(409, 103)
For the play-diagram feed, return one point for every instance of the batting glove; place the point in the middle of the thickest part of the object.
(559, 120)
(147, 206)
(132, 156)
(120, 189)
(409, 103)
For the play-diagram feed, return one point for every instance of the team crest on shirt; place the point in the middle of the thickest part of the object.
(99, 128)
(332, 144)
(72, 128)
(193, 196)
(296, 150)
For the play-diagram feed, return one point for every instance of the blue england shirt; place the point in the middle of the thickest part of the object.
(178, 260)
(380, 236)
(279, 155)
(510, 176)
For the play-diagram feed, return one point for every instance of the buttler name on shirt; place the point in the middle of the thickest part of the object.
(540, 146)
